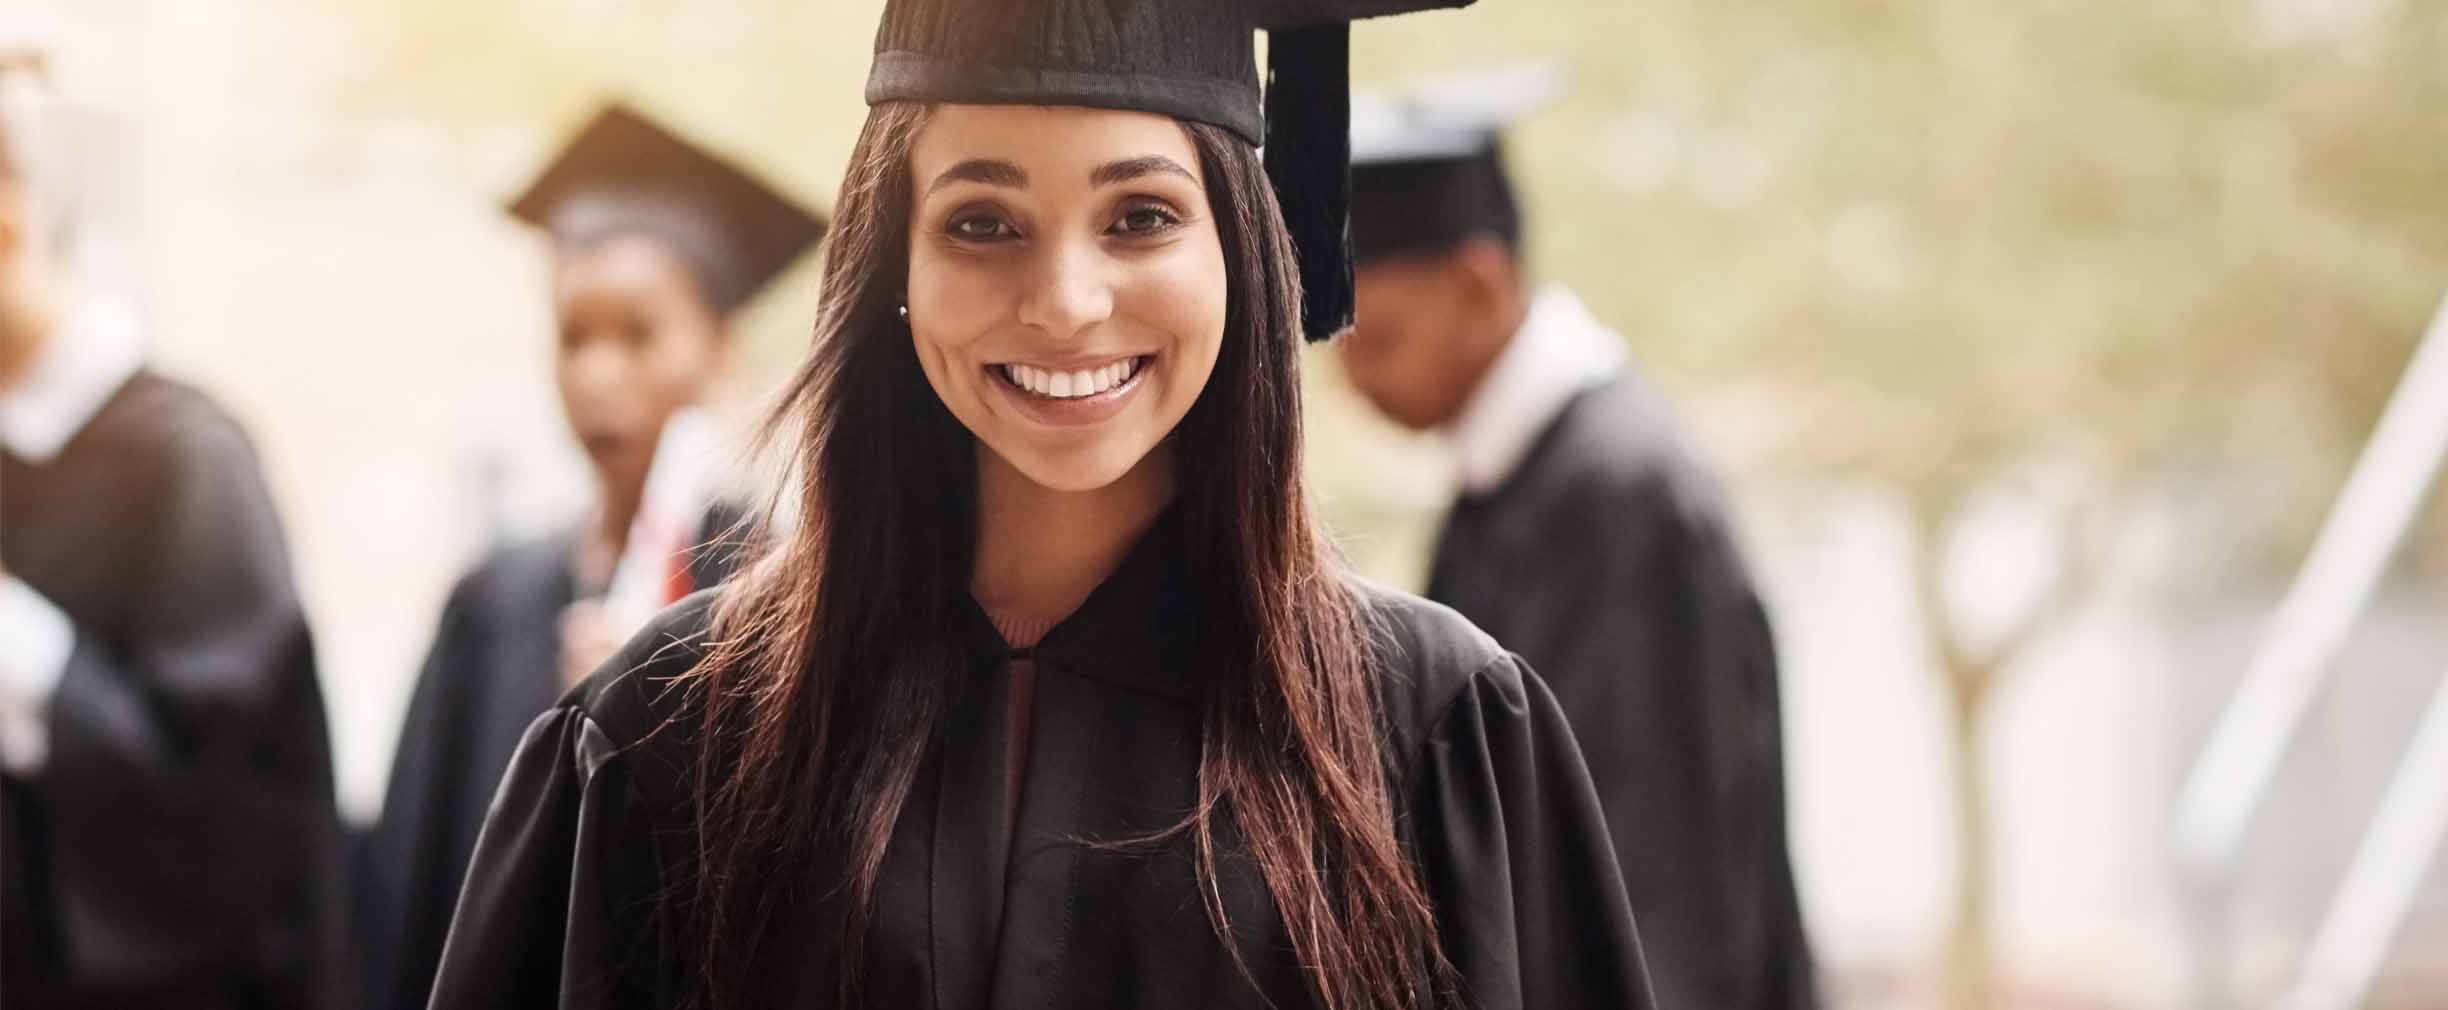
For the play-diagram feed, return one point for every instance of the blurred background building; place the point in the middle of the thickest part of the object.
(2034, 340)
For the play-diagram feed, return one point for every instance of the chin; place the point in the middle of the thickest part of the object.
(1076, 469)
(1408, 416)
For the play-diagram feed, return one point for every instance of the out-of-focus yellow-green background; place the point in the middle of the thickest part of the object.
(2032, 340)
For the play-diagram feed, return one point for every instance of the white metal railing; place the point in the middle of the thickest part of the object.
(2387, 870)
(2363, 532)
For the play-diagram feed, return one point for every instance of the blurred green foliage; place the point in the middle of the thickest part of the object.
(1895, 241)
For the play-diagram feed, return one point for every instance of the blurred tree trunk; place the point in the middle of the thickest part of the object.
(1969, 982)
(1972, 676)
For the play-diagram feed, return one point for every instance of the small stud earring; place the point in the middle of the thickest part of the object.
(905, 312)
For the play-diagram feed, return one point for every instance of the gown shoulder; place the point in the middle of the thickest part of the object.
(585, 839)
(1501, 820)
(1431, 654)
(638, 698)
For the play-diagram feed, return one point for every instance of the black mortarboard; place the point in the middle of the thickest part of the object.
(623, 174)
(1189, 59)
(1427, 163)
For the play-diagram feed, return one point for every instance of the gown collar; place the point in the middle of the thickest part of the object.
(1559, 351)
(72, 378)
(1134, 629)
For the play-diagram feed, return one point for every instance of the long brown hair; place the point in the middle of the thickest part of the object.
(829, 670)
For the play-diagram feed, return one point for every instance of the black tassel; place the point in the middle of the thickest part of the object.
(1308, 159)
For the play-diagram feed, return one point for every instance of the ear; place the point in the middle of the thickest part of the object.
(12, 221)
(1487, 272)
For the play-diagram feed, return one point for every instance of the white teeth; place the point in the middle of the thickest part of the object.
(1070, 385)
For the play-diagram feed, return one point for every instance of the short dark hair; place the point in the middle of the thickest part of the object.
(1428, 206)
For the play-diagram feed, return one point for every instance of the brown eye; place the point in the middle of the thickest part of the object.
(1145, 220)
(979, 228)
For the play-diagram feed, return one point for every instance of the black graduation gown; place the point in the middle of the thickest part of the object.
(494, 666)
(593, 825)
(1605, 562)
(180, 846)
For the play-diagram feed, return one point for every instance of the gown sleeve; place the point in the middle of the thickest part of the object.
(1745, 720)
(562, 906)
(1675, 623)
(188, 793)
(1516, 855)
(406, 876)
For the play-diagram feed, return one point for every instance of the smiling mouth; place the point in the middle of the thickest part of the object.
(1058, 384)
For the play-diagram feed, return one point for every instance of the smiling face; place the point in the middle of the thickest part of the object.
(1067, 288)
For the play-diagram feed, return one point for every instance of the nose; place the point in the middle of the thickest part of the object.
(596, 369)
(1072, 292)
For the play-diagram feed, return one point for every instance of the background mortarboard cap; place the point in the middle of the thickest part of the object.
(622, 173)
(1427, 165)
(1189, 59)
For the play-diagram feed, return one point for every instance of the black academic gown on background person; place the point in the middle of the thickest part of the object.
(179, 847)
(593, 826)
(1604, 560)
(494, 666)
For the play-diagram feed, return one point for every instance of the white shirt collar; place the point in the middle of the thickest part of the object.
(71, 377)
(1560, 351)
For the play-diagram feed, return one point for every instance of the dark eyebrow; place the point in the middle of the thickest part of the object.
(988, 171)
(1131, 168)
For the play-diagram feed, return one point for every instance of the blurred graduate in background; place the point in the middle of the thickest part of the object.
(657, 244)
(1586, 538)
(167, 830)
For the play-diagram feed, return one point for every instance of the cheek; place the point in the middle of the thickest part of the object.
(955, 293)
(688, 367)
(936, 353)
(1186, 299)
(952, 302)
(1391, 340)
(586, 371)
(1434, 311)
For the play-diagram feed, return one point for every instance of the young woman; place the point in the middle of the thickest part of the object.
(1056, 697)
(656, 243)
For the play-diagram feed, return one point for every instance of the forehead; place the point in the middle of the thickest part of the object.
(1061, 144)
(629, 263)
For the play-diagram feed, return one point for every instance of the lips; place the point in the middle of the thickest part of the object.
(1073, 394)
(1054, 383)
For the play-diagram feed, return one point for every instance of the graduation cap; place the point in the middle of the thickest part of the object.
(1427, 165)
(623, 174)
(1189, 59)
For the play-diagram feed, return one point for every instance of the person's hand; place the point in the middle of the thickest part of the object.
(590, 634)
